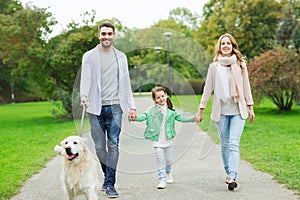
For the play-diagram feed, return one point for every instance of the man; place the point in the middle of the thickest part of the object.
(106, 92)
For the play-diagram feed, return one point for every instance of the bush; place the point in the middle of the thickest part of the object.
(276, 75)
(63, 108)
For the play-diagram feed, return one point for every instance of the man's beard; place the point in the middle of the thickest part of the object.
(106, 45)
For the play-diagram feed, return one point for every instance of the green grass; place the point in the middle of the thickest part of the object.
(28, 135)
(29, 132)
(271, 144)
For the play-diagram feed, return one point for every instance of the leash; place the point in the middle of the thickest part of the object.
(82, 120)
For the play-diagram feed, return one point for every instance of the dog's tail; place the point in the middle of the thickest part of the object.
(58, 150)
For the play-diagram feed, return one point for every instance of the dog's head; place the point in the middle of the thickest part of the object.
(71, 147)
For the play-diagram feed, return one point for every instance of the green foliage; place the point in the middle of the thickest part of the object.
(296, 37)
(286, 30)
(27, 140)
(38, 68)
(252, 23)
(139, 45)
(185, 17)
(66, 99)
(22, 47)
(65, 53)
(276, 75)
(58, 111)
(22, 51)
(9, 6)
(171, 24)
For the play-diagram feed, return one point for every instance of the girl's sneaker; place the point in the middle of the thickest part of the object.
(169, 178)
(162, 185)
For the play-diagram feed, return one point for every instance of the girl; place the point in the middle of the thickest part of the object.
(161, 130)
(228, 78)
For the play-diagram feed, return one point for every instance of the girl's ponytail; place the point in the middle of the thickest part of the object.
(170, 104)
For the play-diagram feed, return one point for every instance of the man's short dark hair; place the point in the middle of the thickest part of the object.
(106, 24)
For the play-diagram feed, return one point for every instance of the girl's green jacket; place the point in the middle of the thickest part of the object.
(154, 119)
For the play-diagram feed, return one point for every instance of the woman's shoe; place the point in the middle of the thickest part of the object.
(232, 185)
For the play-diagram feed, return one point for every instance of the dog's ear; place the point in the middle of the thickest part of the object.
(84, 142)
(59, 150)
(62, 142)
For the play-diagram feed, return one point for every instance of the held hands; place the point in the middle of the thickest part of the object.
(132, 115)
(198, 116)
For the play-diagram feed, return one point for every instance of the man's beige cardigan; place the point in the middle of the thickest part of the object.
(245, 95)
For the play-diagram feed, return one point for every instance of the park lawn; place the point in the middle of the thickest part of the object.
(28, 135)
(29, 132)
(271, 144)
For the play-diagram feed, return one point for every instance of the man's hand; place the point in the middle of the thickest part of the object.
(132, 114)
(84, 101)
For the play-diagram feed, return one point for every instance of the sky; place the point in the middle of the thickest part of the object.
(131, 13)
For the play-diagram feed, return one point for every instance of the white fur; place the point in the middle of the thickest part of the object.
(80, 175)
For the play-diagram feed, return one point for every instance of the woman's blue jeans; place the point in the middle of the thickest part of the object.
(105, 130)
(230, 129)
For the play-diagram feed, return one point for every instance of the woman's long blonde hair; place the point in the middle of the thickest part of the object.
(235, 47)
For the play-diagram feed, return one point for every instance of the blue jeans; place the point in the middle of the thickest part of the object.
(105, 131)
(163, 157)
(230, 129)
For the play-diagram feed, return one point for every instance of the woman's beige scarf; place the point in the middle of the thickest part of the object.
(236, 83)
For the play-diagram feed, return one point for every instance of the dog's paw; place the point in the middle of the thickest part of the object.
(58, 149)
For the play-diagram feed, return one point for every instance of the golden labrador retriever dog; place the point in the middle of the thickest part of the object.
(81, 170)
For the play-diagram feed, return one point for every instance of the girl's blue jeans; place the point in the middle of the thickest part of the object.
(230, 129)
(163, 157)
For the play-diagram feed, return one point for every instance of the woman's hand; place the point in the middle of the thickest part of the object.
(251, 114)
(198, 116)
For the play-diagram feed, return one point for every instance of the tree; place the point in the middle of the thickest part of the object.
(8, 7)
(139, 45)
(64, 60)
(276, 75)
(296, 37)
(252, 23)
(22, 46)
(185, 16)
(285, 30)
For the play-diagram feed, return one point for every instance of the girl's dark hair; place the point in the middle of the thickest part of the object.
(158, 89)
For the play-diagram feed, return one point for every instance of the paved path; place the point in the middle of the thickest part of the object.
(197, 177)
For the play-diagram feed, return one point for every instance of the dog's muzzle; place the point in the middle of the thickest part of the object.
(70, 155)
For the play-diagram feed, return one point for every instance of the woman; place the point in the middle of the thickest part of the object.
(228, 79)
